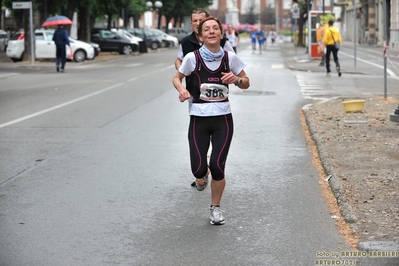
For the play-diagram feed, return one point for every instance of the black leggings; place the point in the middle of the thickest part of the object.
(202, 131)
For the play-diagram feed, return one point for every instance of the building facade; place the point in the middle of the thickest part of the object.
(369, 22)
(363, 21)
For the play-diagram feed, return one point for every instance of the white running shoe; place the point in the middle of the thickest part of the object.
(216, 217)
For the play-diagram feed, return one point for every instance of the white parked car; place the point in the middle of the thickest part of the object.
(127, 35)
(45, 47)
(168, 40)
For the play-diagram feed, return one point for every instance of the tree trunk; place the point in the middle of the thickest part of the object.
(109, 21)
(84, 23)
(1, 15)
(27, 38)
(159, 21)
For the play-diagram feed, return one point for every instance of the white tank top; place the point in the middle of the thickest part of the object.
(232, 38)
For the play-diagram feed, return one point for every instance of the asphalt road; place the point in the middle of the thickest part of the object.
(94, 170)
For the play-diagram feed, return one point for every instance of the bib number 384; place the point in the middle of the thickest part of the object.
(213, 92)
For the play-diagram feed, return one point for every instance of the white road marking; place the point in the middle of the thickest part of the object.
(133, 65)
(80, 98)
(390, 72)
(6, 75)
(279, 66)
(59, 106)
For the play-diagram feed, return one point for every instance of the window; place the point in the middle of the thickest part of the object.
(49, 36)
(107, 35)
(39, 36)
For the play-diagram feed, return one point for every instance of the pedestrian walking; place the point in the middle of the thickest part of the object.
(233, 37)
(210, 70)
(60, 39)
(191, 42)
(332, 41)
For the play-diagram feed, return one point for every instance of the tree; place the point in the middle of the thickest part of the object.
(303, 17)
(1, 12)
(252, 16)
(268, 16)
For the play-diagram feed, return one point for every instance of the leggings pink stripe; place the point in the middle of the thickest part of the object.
(224, 145)
(196, 146)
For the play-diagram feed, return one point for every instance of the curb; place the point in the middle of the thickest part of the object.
(103, 57)
(345, 208)
(335, 184)
(304, 69)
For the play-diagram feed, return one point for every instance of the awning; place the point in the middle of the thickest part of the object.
(345, 3)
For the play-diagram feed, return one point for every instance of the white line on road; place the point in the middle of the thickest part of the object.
(133, 65)
(59, 106)
(6, 75)
(390, 72)
(279, 66)
(79, 99)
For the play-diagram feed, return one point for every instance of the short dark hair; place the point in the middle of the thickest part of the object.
(200, 11)
(207, 19)
(331, 22)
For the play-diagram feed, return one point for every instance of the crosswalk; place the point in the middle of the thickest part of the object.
(313, 88)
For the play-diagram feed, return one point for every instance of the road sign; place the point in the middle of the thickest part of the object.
(21, 5)
(27, 5)
(295, 12)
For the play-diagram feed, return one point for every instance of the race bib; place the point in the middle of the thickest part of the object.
(213, 92)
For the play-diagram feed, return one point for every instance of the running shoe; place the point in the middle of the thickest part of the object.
(216, 217)
(201, 183)
(328, 75)
(339, 71)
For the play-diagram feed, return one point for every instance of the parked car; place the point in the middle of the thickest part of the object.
(45, 47)
(179, 33)
(168, 40)
(127, 34)
(3, 40)
(96, 47)
(148, 36)
(112, 42)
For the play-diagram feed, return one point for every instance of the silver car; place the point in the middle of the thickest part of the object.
(3, 40)
(179, 33)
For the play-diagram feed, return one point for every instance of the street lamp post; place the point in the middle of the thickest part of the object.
(154, 7)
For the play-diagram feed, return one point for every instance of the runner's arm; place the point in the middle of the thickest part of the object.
(178, 63)
(179, 58)
(177, 83)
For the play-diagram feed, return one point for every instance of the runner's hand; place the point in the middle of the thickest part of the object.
(184, 95)
(229, 78)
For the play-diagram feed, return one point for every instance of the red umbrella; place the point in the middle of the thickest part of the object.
(57, 20)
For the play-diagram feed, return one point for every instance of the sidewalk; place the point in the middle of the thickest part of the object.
(298, 59)
(6, 62)
(357, 162)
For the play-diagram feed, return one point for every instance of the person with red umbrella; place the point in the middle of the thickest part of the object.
(60, 39)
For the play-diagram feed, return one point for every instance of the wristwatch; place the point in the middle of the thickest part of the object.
(239, 81)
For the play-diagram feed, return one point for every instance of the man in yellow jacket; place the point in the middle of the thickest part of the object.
(332, 42)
